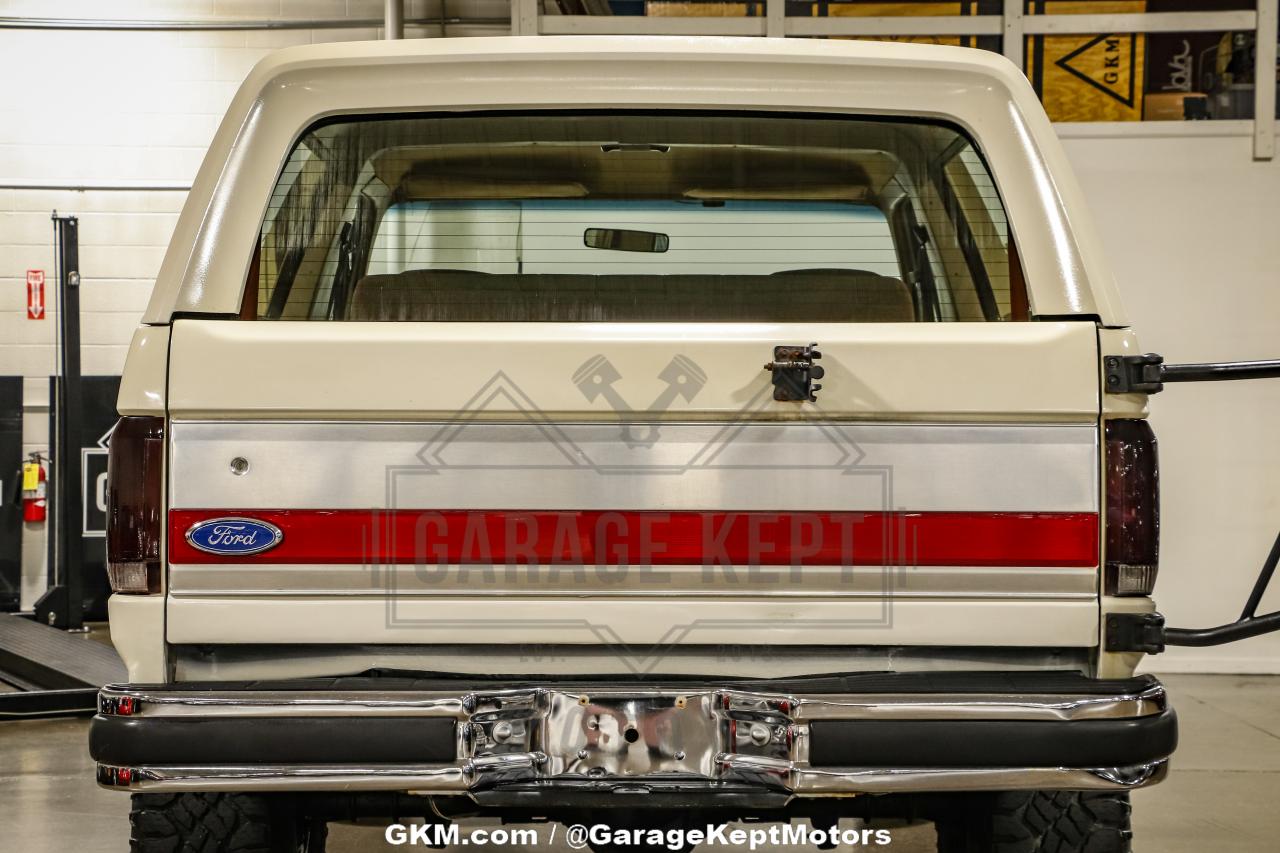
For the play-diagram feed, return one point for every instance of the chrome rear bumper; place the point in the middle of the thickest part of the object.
(869, 738)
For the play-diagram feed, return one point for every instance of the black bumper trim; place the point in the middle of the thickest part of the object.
(134, 741)
(992, 743)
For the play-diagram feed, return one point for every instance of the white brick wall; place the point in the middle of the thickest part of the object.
(134, 109)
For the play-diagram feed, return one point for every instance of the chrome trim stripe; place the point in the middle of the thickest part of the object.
(969, 707)
(229, 579)
(285, 778)
(881, 781)
(288, 705)
(764, 466)
(807, 782)
(802, 708)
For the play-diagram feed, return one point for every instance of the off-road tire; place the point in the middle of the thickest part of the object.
(1036, 822)
(218, 823)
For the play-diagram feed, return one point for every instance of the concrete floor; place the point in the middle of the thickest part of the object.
(1223, 794)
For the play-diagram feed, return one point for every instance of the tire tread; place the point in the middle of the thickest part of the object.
(1037, 822)
(200, 823)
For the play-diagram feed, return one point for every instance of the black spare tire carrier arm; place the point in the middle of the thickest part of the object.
(1146, 632)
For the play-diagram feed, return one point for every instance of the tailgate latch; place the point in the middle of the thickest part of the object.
(794, 373)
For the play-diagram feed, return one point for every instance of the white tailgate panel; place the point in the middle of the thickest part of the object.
(997, 421)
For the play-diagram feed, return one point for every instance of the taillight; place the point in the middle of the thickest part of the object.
(135, 468)
(1133, 508)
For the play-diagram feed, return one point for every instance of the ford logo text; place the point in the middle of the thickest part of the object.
(234, 537)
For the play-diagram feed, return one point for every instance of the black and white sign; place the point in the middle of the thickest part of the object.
(98, 394)
(93, 467)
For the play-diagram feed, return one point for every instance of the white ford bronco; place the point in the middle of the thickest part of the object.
(665, 432)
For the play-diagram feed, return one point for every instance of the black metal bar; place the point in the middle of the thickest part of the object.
(1248, 625)
(1218, 371)
(1146, 374)
(64, 603)
(1263, 581)
(73, 409)
(11, 458)
(1242, 630)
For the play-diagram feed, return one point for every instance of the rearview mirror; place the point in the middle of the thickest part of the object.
(625, 241)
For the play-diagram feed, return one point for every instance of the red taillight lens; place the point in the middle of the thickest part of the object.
(1133, 508)
(135, 468)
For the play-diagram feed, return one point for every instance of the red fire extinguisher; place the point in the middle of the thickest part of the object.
(34, 503)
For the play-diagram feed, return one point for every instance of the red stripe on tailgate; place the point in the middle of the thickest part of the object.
(582, 537)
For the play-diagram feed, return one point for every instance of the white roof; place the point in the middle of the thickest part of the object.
(205, 268)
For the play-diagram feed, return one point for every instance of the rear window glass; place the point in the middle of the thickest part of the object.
(634, 218)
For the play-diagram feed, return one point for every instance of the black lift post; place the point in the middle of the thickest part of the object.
(62, 606)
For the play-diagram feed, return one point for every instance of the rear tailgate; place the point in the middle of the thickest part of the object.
(472, 483)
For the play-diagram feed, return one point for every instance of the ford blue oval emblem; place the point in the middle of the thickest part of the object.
(234, 537)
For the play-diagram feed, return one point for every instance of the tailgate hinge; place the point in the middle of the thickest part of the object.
(1134, 374)
(1135, 632)
(1147, 374)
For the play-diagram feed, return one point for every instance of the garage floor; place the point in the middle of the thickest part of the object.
(1222, 794)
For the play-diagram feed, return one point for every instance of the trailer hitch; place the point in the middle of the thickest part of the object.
(1146, 632)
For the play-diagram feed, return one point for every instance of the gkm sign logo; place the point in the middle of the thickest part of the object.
(35, 294)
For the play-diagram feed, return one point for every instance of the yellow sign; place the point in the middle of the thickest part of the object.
(30, 476)
(1089, 77)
